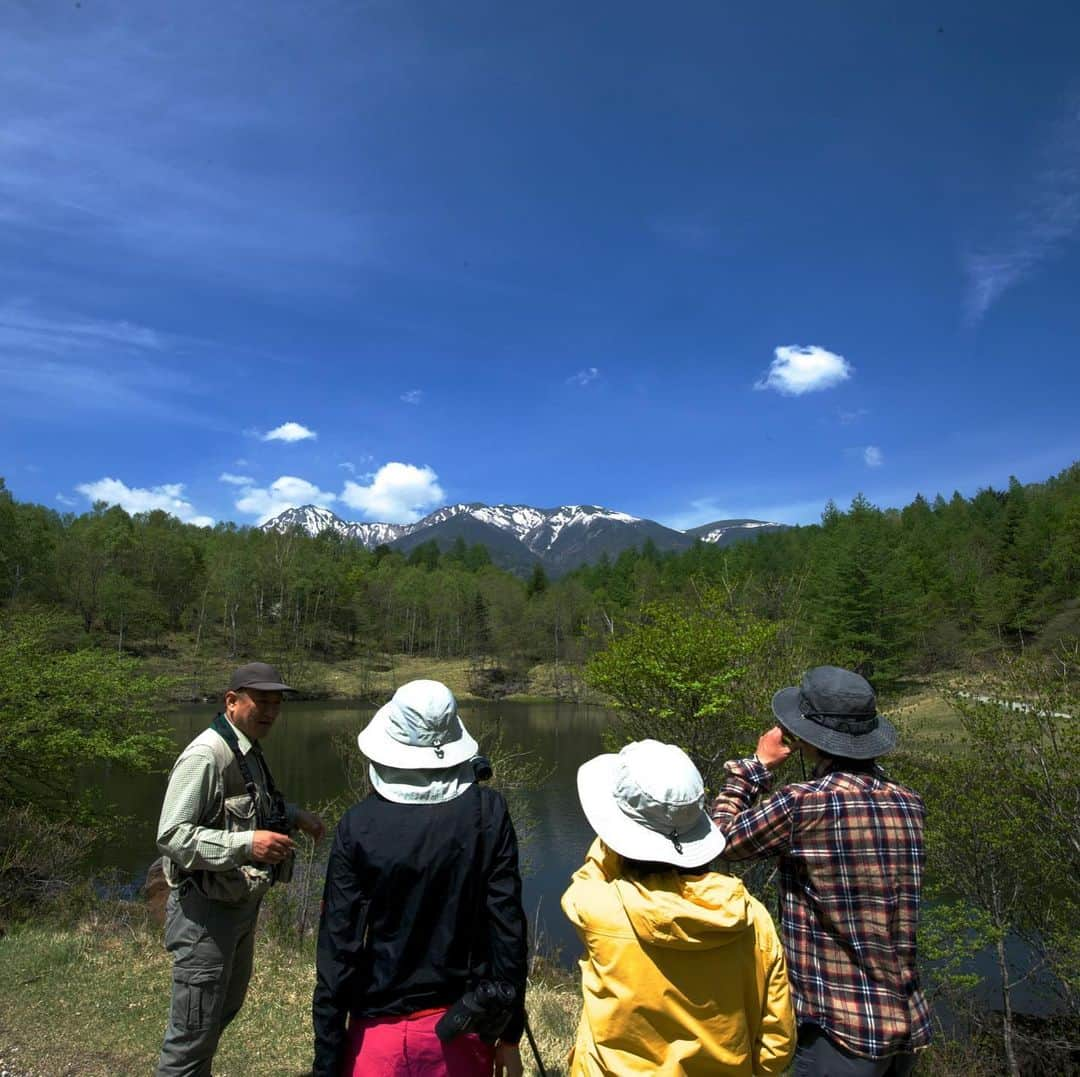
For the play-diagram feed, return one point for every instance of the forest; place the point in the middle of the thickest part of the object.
(894, 593)
(687, 646)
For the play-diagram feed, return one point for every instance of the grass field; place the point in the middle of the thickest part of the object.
(924, 719)
(91, 1000)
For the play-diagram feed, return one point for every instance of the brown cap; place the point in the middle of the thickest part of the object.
(257, 675)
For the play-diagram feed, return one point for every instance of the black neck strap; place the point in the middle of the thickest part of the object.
(220, 725)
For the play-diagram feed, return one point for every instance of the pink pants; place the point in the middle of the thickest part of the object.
(408, 1047)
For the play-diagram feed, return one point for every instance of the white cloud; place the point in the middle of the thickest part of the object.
(1047, 217)
(584, 377)
(169, 497)
(398, 493)
(289, 432)
(797, 370)
(81, 159)
(413, 396)
(235, 480)
(286, 492)
(67, 360)
(872, 456)
(69, 502)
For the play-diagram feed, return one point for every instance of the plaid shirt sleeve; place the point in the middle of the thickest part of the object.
(752, 832)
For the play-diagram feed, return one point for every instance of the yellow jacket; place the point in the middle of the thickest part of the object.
(682, 975)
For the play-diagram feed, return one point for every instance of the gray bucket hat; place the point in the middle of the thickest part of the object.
(419, 729)
(835, 710)
(648, 803)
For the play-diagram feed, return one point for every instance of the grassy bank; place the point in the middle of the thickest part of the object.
(199, 676)
(92, 999)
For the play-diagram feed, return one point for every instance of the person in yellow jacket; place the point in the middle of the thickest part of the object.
(683, 973)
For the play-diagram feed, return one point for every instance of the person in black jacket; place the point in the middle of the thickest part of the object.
(422, 903)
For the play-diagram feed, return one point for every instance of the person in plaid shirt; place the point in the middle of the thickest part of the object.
(850, 849)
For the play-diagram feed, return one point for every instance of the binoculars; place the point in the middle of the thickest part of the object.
(484, 1010)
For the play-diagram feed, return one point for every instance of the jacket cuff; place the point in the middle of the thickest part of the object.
(750, 770)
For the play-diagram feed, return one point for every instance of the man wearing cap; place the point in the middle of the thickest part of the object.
(224, 838)
(850, 847)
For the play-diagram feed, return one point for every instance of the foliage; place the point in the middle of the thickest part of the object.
(1003, 832)
(65, 706)
(40, 858)
(891, 593)
(694, 673)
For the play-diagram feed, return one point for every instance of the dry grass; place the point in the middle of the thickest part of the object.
(203, 676)
(92, 1000)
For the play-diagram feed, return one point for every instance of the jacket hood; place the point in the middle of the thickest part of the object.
(668, 909)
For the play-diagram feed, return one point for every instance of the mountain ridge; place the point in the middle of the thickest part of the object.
(519, 536)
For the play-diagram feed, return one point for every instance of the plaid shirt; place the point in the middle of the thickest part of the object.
(850, 850)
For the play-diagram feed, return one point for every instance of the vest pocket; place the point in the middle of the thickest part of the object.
(240, 813)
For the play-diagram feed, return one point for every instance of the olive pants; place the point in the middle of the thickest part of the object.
(212, 946)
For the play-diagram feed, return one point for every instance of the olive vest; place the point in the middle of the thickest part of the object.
(233, 811)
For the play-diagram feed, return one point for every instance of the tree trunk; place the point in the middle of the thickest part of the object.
(1006, 1010)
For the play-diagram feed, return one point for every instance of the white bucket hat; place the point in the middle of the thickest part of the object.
(648, 803)
(419, 729)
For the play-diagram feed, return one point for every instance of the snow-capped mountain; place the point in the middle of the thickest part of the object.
(725, 532)
(517, 536)
(314, 520)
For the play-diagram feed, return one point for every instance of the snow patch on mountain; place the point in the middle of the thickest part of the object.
(539, 530)
(315, 520)
(547, 531)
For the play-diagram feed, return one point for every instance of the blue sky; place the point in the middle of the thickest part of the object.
(689, 262)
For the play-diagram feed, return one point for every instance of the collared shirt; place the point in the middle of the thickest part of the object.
(850, 848)
(195, 798)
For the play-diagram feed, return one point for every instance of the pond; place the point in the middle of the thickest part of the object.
(561, 737)
(306, 766)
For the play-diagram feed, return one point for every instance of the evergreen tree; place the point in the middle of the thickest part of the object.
(538, 581)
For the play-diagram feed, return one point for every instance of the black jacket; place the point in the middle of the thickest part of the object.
(421, 902)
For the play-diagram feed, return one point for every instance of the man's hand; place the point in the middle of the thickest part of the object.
(771, 749)
(507, 1060)
(311, 824)
(270, 847)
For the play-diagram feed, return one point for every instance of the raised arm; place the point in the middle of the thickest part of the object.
(752, 832)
